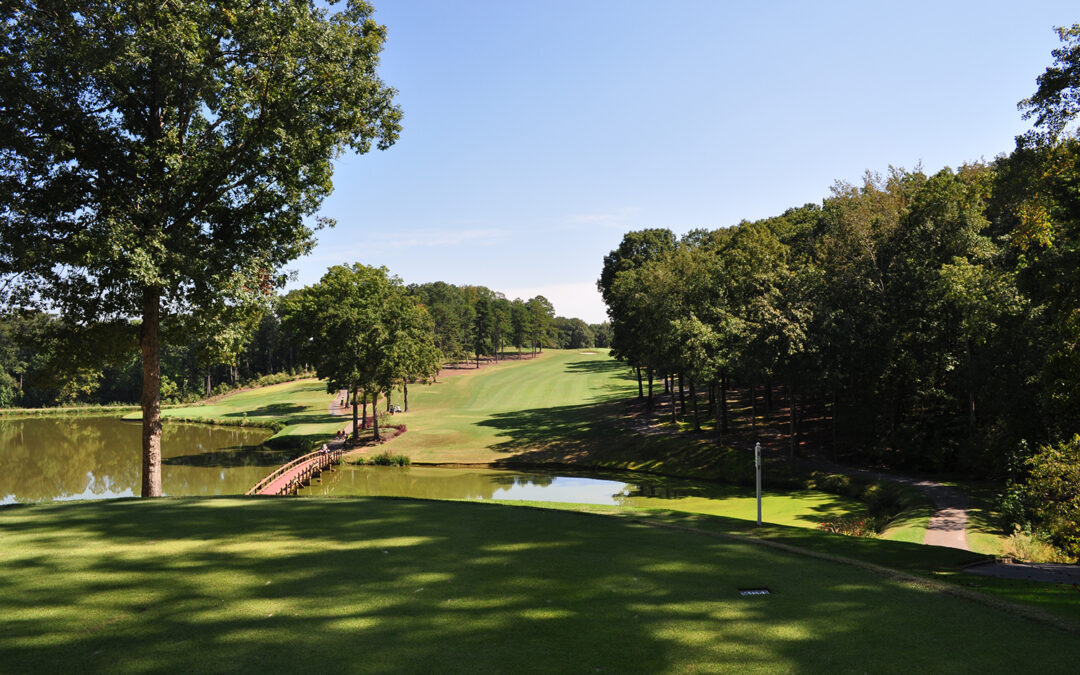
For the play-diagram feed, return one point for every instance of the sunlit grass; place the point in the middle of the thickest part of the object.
(302, 406)
(394, 585)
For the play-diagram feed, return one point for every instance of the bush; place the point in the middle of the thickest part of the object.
(1029, 547)
(1050, 496)
(884, 499)
(855, 526)
(384, 459)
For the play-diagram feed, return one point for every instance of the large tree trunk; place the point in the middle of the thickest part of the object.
(972, 421)
(363, 419)
(753, 410)
(151, 393)
(682, 395)
(793, 428)
(693, 398)
(650, 387)
(723, 403)
(405, 394)
(375, 414)
(674, 402)
(640, 393)
(355, 421)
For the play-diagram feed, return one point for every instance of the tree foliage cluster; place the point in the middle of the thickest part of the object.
(933, 319)
(363, 334)
(46, 361)
(161, 159)
(477, 321)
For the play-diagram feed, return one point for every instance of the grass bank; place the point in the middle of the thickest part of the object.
(298, 412)
(393, 585)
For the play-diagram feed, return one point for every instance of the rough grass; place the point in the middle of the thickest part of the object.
(392, 585)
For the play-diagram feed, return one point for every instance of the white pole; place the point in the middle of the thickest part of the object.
(757, 465)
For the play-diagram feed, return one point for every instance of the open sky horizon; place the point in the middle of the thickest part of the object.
(537, 133)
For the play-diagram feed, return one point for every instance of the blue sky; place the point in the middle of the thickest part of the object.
(537, 133)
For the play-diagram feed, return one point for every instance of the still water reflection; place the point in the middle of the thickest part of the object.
(483, 484)
(63, 458)
(804, 508)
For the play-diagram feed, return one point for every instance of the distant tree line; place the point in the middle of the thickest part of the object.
(45, 362)
(932, 320)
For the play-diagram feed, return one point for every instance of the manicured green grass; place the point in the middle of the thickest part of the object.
(302, 406)
(393, 585)
(566, 408)
(499, 411)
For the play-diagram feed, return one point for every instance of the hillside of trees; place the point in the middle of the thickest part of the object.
(932, 321)
(44, 362)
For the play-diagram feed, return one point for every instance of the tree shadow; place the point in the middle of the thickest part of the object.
(553, 431)
(601, 366)
(271, 410)
(416, 586)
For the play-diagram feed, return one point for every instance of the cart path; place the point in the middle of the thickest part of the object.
(947, 525)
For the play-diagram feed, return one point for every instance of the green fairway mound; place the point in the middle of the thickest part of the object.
(394, 585)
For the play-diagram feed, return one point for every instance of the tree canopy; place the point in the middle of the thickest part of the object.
(163, 156)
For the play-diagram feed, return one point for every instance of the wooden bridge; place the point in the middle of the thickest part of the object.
(289, 478)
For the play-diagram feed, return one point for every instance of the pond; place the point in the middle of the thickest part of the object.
(803, 508)
(62, 458)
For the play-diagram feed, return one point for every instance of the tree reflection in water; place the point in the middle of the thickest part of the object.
(54, 458)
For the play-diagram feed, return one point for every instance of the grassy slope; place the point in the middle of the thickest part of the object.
(302, 405)
(480, 416)
(388, 585)
(564, 407)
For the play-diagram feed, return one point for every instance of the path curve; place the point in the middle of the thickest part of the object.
(947, 525)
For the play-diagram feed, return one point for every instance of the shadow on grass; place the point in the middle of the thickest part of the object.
(599, 366)
(271, 410)
(392, 585)
(599, 435)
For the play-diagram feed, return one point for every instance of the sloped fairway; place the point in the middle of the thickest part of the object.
(392, 586)
(301, 405)
(560, 397)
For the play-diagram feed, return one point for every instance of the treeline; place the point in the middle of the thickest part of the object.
(933, 321)
(44, 362)
(933, 318)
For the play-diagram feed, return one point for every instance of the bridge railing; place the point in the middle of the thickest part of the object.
(317, 461)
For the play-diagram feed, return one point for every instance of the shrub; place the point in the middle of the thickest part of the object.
(1051, 495)
(884, 499)
(855, 526)
(1029, 547)
(384, 459)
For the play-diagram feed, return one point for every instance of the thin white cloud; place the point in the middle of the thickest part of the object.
(620, 218)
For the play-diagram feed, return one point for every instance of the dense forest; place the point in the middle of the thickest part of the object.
(932, 321)
(44, 362)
